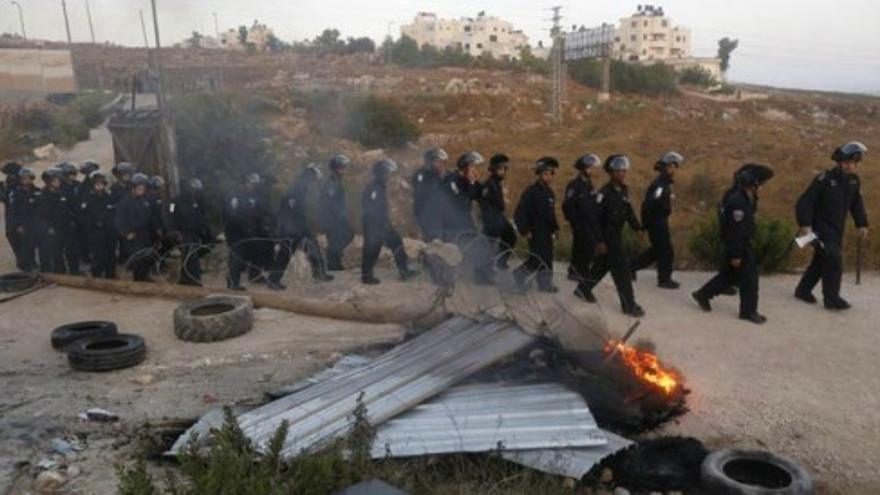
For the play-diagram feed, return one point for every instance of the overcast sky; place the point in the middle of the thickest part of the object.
(804, 44)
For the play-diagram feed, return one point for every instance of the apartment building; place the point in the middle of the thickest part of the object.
(474, 35)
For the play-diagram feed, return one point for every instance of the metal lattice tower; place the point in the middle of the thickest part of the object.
(557, 58)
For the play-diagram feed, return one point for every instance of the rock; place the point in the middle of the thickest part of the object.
(606, 476)
(372, 155)
(569, 483)
(47, 464)
(74, 470)
(776, 115)
(621, 491)
(62, 447)
(98, 414)
(49, 482)
(47, 152)
(143, 379)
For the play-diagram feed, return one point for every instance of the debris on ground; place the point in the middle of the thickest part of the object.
(98, 414)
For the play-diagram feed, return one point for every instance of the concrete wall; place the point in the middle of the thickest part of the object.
(36, 71)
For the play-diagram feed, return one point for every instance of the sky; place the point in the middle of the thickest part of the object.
(831, 45)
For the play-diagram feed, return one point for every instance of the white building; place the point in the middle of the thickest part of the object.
(483, 34)
(258, 35)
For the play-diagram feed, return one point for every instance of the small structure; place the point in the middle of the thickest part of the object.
(137, 139)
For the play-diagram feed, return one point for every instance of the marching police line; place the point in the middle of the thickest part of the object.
(55, 228)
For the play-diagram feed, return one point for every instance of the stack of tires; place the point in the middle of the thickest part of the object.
(98, 346)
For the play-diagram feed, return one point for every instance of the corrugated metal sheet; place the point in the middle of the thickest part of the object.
(487, 417)
(394, 383)
(572, 463)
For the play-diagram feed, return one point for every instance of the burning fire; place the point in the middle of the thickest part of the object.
(646, 366)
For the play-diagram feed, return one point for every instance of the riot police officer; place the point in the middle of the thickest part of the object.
(69, 183)
(188, 220)
(293, 229)
(333, 212)
(242, 215)
(656, 209)
(56, 221)
(378, 230)
(496, 226)
(82, 190)
(462, 188)
(427, 185)
(24, 219)
(737, 222)
(579, 209)
(97, 216)
(135, 223)
(613, 211)
(822, 209)
(10, 172)
(122, 172)
(535, 218)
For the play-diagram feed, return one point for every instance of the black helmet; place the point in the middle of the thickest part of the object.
(139, 179)
(98, 176)
(668, 159)
(339, 162)
(88, 166)
(155, 182)
(68, 168)
(587, 161)
(497, 161)
(850, 152)
(753, 174)
(253, 179)
(435, 154)
(385, 167)
(194, 184)
(122, 168)
(51, 173)
(27, 172)
(616, 162)
(469, 158)
(545, 164)
(11, 168)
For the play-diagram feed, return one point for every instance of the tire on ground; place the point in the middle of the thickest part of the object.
(106, 353)
(213, 318)
(741, 472)
(65, 335)
(18, 281)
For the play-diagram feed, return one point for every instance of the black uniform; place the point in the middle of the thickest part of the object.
(378, 230)
(188, 218)
(824, 206)
(56, 218)
(294, 232)
(496, 226)
(656, 210)
(428, 202)
(98, 217)
(72, 233)
(737, 222)
(613, 211)
(579, 209)
(535, 218)
(334, 220)
(24, 219)
(6, 189)
(241, 221)
(135, 223)
(81, 191)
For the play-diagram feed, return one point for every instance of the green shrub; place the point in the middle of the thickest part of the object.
(379, 123)
(627, 77)
(697, 76)
(772, 243)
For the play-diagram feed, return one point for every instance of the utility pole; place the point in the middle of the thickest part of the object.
(20, 19)
(91, 26)
(66, 21)
(168, 166)
(144, 30)
(388, 58)
(557, 57)
(605, 93)
(216, 28)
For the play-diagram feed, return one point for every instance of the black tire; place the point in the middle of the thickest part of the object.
(18, 281)
(214, 318)
(65, 335)
(744, 472)
(106, 353)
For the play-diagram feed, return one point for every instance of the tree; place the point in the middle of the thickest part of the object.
(274, 44)
(406, 52)
(360, 45)
(242, 35)
(329, 42)
(726, 46)
(196, 40)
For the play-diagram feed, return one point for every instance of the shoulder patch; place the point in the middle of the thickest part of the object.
(234, 203)
(83, 206)
(291, 203)
(658, 192)
(171, 207)
(599, 197)
(739, 215)
(454, 187)
(420, 177)
(569, 193)
(373, 195)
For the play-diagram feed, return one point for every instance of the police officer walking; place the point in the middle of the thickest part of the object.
(579, 209)
(97, 216)
(10, 172)
(241, 218)
(822, 210)
(737, 222)
(333, 212)
(493, 206)
(428, 192)
(188, 220)
(378, 230)
(535, 218)
(294, 232)
(656, 209)
(135, 223)
(24, 219)
(462, 188)
(613, 211)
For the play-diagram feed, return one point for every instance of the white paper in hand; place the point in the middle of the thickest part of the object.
(805, 240)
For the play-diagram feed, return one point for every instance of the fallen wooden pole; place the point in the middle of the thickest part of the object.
(340, 310)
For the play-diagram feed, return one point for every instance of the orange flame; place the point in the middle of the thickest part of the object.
(646, 366)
